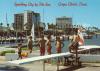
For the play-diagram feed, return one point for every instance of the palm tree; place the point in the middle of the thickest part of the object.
(1, 24)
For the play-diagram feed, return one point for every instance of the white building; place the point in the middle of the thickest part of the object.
(63, 23)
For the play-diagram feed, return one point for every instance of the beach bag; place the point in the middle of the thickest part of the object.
(24, 54)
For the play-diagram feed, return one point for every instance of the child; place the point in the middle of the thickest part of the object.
(42, 45)
(30, 44)
(19, 50)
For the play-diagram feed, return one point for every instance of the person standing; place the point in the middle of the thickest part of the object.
(78, 41)
(49, 47)
(30, 44)
(19, 51)
(42, 43)
(59, 44)
(49, 44)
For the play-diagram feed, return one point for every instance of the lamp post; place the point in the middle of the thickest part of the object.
(8, 33)
(2, 30)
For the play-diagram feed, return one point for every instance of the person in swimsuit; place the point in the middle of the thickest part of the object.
(49, 45)
(59, 45)
(19, 51)
(30, 44)
(42, 45)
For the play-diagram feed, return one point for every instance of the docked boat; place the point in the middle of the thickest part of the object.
(89, 53)
(89, 49)
(87, 36)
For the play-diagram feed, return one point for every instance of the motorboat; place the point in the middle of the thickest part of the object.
(87, 36)
(89, 53)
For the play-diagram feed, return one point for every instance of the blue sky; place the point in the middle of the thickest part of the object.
(83, 15)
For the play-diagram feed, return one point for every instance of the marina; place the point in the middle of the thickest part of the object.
(86, 57)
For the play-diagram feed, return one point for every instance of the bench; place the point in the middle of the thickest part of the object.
(71, 60)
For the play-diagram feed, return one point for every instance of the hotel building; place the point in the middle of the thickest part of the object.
(24, 21)
(64, 24)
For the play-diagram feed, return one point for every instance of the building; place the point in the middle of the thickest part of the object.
(30, 18)
(51, 29)
(18, 22)
(63, 23)
(24, 21)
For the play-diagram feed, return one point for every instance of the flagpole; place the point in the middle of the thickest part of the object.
(7, 28)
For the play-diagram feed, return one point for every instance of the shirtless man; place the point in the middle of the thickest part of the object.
(30, 44)
(42, 45)
(58, 45)
(19, 50)
(49, 45)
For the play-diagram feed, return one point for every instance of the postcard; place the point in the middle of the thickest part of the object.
(49, 35)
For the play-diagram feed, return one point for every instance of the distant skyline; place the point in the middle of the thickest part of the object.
(84, 12)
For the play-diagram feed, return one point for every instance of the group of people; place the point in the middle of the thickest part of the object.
(46, 44)
(30, 46)
(43, 45)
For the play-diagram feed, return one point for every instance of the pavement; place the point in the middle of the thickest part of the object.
(38, 65)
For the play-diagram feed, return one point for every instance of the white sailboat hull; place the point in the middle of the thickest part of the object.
(89, 58)
(92, 53)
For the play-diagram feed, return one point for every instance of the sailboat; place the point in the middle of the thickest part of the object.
(88, 53)
(35, 42)
(32, 32)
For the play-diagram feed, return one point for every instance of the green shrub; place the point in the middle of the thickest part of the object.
(24, 48)
(8, 51)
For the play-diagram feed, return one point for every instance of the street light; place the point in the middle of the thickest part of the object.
(8, 33)
(1, 29)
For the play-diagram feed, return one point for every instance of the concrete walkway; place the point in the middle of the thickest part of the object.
(38, 65)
